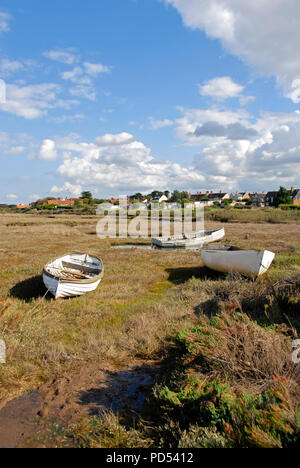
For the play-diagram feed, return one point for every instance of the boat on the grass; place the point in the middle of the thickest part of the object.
(73, 275)
(192, 240)
(231, 259)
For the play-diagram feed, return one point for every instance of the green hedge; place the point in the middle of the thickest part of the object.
(289, 207)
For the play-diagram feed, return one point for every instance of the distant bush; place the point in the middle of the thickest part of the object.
(289, 207)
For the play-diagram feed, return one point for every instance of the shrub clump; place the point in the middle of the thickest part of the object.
(229, 387)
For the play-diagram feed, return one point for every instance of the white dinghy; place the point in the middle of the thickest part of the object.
(73, 275)
(189, 241)
(230, 259)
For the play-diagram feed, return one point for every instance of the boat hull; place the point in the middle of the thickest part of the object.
(62, 283)
(246, 262)
(61, 289)
(194, 240)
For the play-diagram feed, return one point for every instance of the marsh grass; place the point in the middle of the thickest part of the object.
(144, 298)
(258, 215)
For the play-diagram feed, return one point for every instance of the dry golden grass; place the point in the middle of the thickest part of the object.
(45, 337)
(130, 315)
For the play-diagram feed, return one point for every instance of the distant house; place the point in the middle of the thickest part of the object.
(23, 207)
(295, 196)
(209, 197)
(217, 197)
(240, 196)
(196, 197)
(160, 199)
(66, 202)
(258, 199)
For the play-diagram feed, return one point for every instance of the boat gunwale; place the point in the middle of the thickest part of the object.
(94, 279)
(194, 236)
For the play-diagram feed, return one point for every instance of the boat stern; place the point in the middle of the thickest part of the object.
(266, 261)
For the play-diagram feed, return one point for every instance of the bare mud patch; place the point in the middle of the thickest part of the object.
(68, 399)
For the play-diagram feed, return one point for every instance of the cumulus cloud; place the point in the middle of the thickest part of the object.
(265, 34)
(221, 88)
(115, 140)
(231, 151)
(234, 131)
(119, 162)
(237, 151)
(11, 196)
(67, 189)
(188, 127)
(48, 151)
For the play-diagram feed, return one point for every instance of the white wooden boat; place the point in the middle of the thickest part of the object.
(193, 240)
(73, 275)
(230, 259)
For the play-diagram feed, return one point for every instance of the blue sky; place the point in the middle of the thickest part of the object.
(117, 96)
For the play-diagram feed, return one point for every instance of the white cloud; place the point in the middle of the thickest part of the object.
(11, 196)
(221, 88)
(82, 91)
(76, 75)
(234, 131)
(13, 144)
(95, 69)
(244, 100)
(115, 140)
(67, 188)
(79, 75)
(64, 118)
(265, 33)
(294, 94)
(83, 88)
(62, 56)
(119, 162)
(8, 66)
(82, 77)
(193, 119)
(234, 150)
(156, 124)
(4, 21)
(48, 151)
(15, 150)
(33, 101)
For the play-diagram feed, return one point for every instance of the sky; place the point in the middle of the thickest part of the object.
(120, 96)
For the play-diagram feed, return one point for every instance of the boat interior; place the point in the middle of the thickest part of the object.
(70, 267)
(221, 247)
